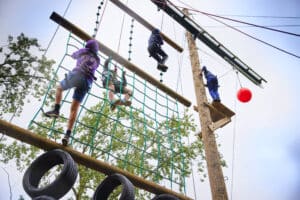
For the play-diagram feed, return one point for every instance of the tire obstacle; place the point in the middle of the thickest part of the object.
(67, 177)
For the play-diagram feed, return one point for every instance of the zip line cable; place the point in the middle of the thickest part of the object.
(248, 26)
(263, 16)
(259, 40)
(247, 23)
(234, 140)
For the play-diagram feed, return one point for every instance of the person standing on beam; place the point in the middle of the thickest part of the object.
(154, 48)
(212, 84)
(80, 78)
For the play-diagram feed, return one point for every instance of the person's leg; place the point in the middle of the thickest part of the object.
(153, 52)
(163, 55)
(111, 93)
(127, 93)
(73, 114)
(58, 97)
(214, 94)
(81, 89)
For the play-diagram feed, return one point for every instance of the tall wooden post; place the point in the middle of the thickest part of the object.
(216, 178)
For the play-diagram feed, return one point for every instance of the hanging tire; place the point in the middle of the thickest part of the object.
(165, 197)
(110, 183)
(44, 198)
(63, 182)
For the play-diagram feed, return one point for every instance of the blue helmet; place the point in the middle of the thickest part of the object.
(92, 45)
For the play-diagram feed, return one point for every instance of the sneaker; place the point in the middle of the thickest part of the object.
(126, 103)
(162, 67)
(65, 140)
(114, 103)
(52, 113)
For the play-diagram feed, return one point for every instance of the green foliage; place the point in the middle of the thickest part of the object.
(154, 154)
(22, 73)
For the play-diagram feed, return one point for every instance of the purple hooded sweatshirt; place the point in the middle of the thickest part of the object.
(87, 59)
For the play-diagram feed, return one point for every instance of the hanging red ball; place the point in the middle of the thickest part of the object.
(244, 95)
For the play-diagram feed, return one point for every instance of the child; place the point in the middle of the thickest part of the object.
(154, 49)
(110, 80)
(212, 84)
(81, 78)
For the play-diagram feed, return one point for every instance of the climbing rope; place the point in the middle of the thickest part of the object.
(130, 39)
(98, 18)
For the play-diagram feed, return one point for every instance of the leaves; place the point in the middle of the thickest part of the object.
(22, 74)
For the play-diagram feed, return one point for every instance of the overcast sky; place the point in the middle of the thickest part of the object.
(261, 144)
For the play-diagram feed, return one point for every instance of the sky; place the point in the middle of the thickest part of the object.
(262, 143)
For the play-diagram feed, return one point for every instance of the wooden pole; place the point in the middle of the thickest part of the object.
(114, 55)
(145, 23)
(216, 178)
(83, 159)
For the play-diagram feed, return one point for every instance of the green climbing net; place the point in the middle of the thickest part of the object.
(149, 138)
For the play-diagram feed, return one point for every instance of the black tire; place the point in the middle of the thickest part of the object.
(165, 197)
(44, 198)
(110, 183)
(61, 185)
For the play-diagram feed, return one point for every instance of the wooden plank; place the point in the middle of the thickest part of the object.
(217, 111)
(124, 62)
(145, 23)
(214, 113)
(219, 106)
(219, 124)
(98, 165)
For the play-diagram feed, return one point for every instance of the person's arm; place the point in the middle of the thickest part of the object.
(79, 52)
(161, 41)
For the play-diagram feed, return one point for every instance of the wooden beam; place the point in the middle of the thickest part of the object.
(145, 23)
(219, 124)
(212, 156)
(107, 51)
(92, 163)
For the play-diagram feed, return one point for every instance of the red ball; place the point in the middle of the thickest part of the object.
(244, 95)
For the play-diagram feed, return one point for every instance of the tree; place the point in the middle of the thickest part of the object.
(22, 73)
(103, 139)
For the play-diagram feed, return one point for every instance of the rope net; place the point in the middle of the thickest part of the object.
(148, 138)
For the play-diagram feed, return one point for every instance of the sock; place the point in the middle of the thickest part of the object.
(57, 107)
(68, 133)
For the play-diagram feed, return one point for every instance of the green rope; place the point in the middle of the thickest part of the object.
(144, 130)
(131, 130)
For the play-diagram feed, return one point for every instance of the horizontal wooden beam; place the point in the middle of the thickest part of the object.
(115, 56)
(31, 138)
(145, 23)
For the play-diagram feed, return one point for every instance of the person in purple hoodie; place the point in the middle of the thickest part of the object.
(80, 78)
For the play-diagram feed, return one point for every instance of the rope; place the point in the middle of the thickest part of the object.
(98, 21)
(237, 75)
(233, 142)
(121, 32)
